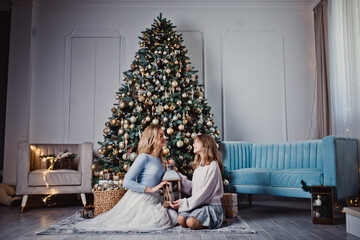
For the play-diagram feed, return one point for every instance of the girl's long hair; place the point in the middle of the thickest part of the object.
(150, 140)
(211, 152)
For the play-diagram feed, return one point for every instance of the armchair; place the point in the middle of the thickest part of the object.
(30, 170)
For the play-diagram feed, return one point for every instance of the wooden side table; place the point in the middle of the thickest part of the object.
(322, 204)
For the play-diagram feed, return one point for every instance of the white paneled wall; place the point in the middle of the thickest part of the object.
(255, 58)
(253, 84)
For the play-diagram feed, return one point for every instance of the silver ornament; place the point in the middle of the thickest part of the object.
(133, 119)
(133, 156)
(179, 143)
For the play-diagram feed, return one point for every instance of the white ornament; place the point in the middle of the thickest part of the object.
(133, 156)
(179, 143)
(133, 119)
(318, 202)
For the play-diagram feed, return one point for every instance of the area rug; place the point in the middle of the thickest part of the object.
(63, 227)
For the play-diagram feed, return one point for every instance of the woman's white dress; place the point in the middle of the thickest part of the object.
(136, 211)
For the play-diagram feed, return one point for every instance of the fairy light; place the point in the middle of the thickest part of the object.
(52, 160)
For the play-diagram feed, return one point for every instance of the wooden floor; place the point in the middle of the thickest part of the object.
(274, 219)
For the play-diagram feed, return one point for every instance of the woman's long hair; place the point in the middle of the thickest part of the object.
(150, 140)
(211, 152)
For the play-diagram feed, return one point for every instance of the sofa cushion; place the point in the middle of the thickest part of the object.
(252, 176)
(293, 177)
(61, 177)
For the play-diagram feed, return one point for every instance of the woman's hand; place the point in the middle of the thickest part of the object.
(175, 204)
(156, 188)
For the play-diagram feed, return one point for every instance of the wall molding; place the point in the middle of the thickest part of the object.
(170, 4)
(82, 33)
(202, 34)
(222, 90)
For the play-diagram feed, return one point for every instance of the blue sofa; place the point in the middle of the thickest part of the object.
(278, 168)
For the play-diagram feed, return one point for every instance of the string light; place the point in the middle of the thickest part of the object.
(52, 160)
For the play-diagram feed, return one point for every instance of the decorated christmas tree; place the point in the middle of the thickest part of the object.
(160, 88)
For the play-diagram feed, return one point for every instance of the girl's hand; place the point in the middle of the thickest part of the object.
(175, 204)
(156, 188)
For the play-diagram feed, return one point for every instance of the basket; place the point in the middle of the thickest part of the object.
(230, 205)
(106, 200)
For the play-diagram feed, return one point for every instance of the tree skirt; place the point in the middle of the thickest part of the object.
(236, 225)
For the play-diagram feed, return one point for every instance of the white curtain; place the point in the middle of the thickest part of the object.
(344, 54)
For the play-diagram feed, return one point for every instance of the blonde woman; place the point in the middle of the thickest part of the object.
(203, 209)
(140, 209)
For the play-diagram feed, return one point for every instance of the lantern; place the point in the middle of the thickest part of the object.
(172, 189)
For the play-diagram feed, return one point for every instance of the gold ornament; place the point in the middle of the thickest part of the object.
(166, 107)
(147, 118)
(155, 121)
(165, 151)
(126, 136)
(93, 166)
(193, 135)
(126, 125)
(121, 131)
(178, 102)
(172, 107)
(209, 123)
(141, 99)
(181, 127)
(106, 130)
(122, 104)
(217, 132)
(186, 141)
(121, 145)
(188, 134)
(131, 104)
(113, 110)
(174, 83)
(124, 156)
(169, 131)
(109, 147)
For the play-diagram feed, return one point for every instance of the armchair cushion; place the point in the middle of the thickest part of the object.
(61, 177)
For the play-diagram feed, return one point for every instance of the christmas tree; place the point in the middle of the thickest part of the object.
(160, 88)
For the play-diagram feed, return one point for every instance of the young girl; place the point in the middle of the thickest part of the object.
(140, 208)
(203, 209)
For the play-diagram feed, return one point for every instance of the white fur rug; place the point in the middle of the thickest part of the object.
(63, 227)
